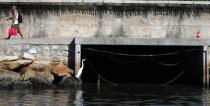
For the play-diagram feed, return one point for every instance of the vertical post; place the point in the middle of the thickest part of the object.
(204, 71)
(205, 67)
(206, 48)
(77, 57)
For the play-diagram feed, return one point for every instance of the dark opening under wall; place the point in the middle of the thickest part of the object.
(143, 64)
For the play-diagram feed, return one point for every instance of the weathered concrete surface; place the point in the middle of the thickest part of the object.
(144, 21)
(111, 2)
(143, 41)
(36, 41)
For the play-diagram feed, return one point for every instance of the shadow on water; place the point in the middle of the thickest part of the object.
(145, 94)
(123, 94)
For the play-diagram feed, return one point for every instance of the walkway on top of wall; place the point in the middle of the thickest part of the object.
(111, 41)
(37, 41)
(142, 41)
(102, 2)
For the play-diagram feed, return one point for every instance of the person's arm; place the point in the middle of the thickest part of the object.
(9, 18)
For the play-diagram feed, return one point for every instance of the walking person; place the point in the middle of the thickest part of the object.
(15, 22)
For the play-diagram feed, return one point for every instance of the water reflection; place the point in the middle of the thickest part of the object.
(123, 94)
(78, 98)
(133, 94)
(50, 97)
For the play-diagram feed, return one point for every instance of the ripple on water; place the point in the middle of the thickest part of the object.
(125, 94)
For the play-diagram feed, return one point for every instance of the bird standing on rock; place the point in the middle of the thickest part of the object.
(79, 73)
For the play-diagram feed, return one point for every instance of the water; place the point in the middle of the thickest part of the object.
(122, 95)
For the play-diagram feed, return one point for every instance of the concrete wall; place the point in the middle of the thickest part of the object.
(107, 1)
(129, 20)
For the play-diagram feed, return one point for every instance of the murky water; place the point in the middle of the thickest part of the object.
(122, 95)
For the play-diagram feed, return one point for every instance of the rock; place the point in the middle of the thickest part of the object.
(8, 78)
(22, 85)
(8, 58)
(32, 51)
(46, 73)
(9, 65)
(27, 73)
(40, 82)
(37, 70)
(62, 70)
(28, 56)
(65, 61)
(55, 61)
(9, 75)
(14, 65)
(6, 84)
(38, 67)
(70, 82)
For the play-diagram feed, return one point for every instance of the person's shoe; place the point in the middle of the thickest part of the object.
(6, 38)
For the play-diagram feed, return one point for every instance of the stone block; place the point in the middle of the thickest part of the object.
(156, 2)
(113, 1)
(19, 1)
(135, 1)
(180, 2)
(93, 1)
(74, 1)
(202, 2)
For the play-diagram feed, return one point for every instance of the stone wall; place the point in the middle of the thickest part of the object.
(41, 49)
(40, 52)
(133, 20)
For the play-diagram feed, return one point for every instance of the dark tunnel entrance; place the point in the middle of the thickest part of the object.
(143, 64)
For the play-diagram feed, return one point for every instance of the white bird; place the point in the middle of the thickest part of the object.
(79, 73)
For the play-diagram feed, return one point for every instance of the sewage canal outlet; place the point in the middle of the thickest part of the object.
(143, 64)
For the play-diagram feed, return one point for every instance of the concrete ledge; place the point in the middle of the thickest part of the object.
(111, 41)
(82, 2)
(143, 41)
(181, 2)
(201, 2)
(52, 41)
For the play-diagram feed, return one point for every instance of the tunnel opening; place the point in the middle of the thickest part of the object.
(143, 64)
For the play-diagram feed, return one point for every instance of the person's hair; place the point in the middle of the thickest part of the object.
(14, 6)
